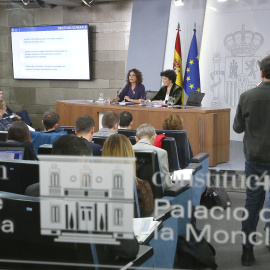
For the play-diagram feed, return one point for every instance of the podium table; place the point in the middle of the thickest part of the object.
(208, 129)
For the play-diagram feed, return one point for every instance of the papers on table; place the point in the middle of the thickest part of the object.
(144, 228)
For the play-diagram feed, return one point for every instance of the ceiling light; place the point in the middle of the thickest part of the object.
(89, 3)
(178, 3)
(26, 3)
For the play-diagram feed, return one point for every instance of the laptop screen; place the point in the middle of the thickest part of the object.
(12, 152)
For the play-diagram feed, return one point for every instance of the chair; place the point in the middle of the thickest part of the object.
(39, 138)
(99, 140)
(132, 140)
(29, 153)
(17, 175)
(68, 129)
(169, 145)
(182, 143)
(45, 149)
(3, 136)
(127, 132)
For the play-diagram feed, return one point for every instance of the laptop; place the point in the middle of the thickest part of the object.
(12, 152)
(195, 99)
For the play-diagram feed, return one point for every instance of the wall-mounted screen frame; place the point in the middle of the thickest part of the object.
(60, 52)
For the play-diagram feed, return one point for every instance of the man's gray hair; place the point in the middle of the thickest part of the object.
(145, 130)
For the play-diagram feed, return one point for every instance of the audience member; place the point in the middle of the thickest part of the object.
(110, 123)
(175, 122)
(118, 145)
(22, 115)
(19, 136)
(5, 123)
(84, 128)
(250, 118)
(145, 138)
(50, 122)
(169, 88)
(126, 120)
(18, 132)
(134, 90)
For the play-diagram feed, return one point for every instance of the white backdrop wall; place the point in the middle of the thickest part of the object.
(235, 37)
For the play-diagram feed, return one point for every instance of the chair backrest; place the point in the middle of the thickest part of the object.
(28, 154)
(99, 140)
(39, 138)
(147, 165)
(132, 140)
(68, 129)
(3, 135)
(17, 175)
(127, 132)
(182, 144)
(45, 149)
(169, 145)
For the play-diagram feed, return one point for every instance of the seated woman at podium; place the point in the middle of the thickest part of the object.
(134, 90)
(169, 90)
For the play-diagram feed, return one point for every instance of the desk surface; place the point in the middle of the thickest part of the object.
(208, 129)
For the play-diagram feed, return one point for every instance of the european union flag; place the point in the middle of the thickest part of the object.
(192, 73)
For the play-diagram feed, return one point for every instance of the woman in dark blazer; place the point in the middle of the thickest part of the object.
(169, 88)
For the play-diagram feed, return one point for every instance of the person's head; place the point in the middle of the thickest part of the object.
(147, 132)
(173, 122)
(3, 107)
(117, 145)
(265, 67)
(126, 119)
(71, 145)
(19, 132)
(168, 76)
(50, 120)
(84, 126)
(110, 120)
(134, 76)
(1, 94)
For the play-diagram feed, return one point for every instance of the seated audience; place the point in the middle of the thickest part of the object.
(169, 88)
(110, 123)
(5, 123)
(119, 145)
(50, 122)
(19, 136)
(145, 138)
(175, 122)
(84, 128)
(126, 120)
(22, 115)
(134, 90)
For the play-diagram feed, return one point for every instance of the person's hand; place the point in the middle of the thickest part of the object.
(17, 116)
(127, 98)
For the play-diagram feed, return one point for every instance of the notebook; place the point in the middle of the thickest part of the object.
(195, 99)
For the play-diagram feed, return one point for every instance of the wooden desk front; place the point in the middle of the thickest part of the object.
(208, 129)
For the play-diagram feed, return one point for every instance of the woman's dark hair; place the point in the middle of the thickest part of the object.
(19, 132)
(138, 75)
(169, 73)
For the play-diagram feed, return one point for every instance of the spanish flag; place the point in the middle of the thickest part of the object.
(177, 63)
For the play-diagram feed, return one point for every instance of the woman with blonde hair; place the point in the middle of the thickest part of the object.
(118, 145)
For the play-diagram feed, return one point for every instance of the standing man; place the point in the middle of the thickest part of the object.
(85, 127)
(251, 117)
